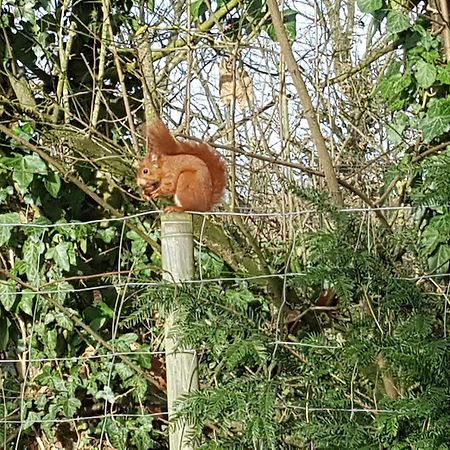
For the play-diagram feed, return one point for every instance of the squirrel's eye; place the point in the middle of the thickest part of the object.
(145, 171)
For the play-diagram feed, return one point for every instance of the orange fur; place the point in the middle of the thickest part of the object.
(193, 172)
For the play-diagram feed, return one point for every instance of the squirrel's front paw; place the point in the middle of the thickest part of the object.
(149, 191)
(174, 208)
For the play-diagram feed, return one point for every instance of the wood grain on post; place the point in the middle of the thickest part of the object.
(181, 364)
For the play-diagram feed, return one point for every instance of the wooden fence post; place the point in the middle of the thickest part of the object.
(181, 364)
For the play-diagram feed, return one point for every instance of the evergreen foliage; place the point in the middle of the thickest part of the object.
(357, 356)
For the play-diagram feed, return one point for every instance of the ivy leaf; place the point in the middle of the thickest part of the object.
(22, 176)
(128, 339)
(70, 406)
(436, 120)
(7, 294)
(35, 164)
(290, 25)
(107, 235)
(32, 417)
(105, 310)
(396, 127)
(5, 230)
(60, 255)
(106, 394)
(198, 8)
(117, 434)
(255, 9)
(53, 184)
(123, 370)
(425, 74)
(397, 21)
(439, 262)
(393, 89)
(369, 6)
(31, 252)
(25, 168)
(431, 238)
(142, 439)
(443, 74)
(139, 386)
(26, 302)
(144, 360)
(49, 338)
(62, 290)
(63, 321)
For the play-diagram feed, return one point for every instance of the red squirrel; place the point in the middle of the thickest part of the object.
(194, 173)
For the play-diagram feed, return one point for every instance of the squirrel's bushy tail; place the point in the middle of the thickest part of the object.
(161, 142)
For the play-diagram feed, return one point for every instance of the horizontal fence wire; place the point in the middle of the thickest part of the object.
(79, 419)
(249, 213)
(305, 409)
(110, 355)
(135, 284)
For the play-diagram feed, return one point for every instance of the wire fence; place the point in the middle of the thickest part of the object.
(247, 213)
(20, 417)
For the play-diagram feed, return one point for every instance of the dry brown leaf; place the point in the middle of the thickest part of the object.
(241, 86)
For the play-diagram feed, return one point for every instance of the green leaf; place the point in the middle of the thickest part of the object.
(369, 6)
(53, 184)
(70, 406)
(22, 176)
(443, 74)
(127, 338)
(117, 434)
(123, 370)
(105, 310)
(255, 9)
(62, 291)
(142, 439)
(63, 321)
(394, 88)
(26, 167)
(49, 339)
(439, 262)
(107, 235)
(431, 238)
(436, 120)
(434, 234)
(396, 127)
(290, 25)
(35, 164)
(397, 21)
(26, 302)
(31, 419)
(106, 394)
(198, 9)
(5, 230)
(32, 250)
(4, 332)
(144, 360)
(7, 294)
(61, 256)
(5, 192)
(139, 386)
(425, 74)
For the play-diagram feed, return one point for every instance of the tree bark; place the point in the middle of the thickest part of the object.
(305, 99)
